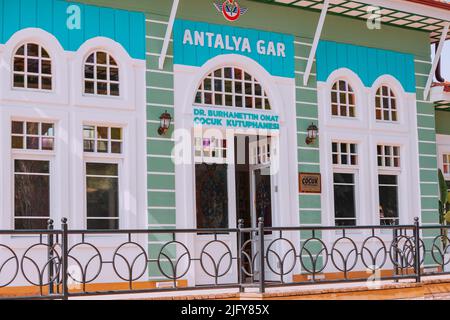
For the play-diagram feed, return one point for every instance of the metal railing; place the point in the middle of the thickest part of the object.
(63, 263)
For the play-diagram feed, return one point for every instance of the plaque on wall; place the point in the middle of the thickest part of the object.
(310, 182)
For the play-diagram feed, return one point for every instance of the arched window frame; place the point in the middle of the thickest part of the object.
(44, 69)
(342, 89)
(386, 104)
(112, 76)
(234, 87)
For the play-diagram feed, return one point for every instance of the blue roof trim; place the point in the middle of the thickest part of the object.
(368, 63)
(122, 26)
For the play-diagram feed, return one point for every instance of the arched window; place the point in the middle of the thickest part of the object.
(343, 102)
(32, 68)
(386, 105)
(101, 75)
(232, 87)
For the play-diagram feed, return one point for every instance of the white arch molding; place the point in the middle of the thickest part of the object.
(59, 92)
(281, 93)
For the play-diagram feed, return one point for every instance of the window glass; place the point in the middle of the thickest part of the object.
(101, 75)
(32, 68)
(211, 184)
(345, 153)
(388, 156)
(32, 135)
(31, 194)
(232, 87)
(102, 194)
(388, 190)
(386, 105)
(102, 139)
(344, 199)
(343, 102)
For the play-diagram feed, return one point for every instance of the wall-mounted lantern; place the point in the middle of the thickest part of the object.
(165, 122)
(312, 134)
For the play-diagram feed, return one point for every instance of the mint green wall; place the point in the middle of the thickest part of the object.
(302, 24)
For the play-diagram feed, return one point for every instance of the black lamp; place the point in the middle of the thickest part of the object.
(165, 122)
(312, 134)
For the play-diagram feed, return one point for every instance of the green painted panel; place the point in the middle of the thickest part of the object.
(429, 189)
(426, 122)
(160, 147)
(160, 165)
(430, 217)
(310, 217)
(427, 148)
(305, 110)
(161, 199)
(155, 250)
(425, 108)
(427, 135)
(161, 182)
(428, 176)
(159, 216)
(430, 203)
(306, 95)
(152, 63)
(309, 168)
(310, 201)
(159, 97)
(311, 156)
(427, 162)
(162, 80)
(155, 46)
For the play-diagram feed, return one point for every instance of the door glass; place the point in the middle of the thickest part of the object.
(102, 194)
(263, 196)
(212, 195)
(31, 194)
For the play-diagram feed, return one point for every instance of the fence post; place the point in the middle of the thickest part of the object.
(417, 258)
(65, 267)
(239, 254)
(262, 279)
(50, 243)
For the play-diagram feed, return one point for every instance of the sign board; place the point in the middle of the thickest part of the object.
(310, 182)
(226, 118)
(197, 42)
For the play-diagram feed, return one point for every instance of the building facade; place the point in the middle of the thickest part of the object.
(84, 84)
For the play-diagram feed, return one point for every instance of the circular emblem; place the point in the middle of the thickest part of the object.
(230, 9)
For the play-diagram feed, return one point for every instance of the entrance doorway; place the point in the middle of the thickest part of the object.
(234, 181)
(253, 179)
(254, 192)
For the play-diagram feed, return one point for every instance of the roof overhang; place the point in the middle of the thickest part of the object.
(425, 15)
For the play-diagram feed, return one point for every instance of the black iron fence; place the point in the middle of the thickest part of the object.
(63, 263)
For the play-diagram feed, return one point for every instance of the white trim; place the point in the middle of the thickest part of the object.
(436, 59)
(315, 43)
(165, 46)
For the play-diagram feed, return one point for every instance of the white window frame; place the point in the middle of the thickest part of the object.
(223, 79)
(25, 73)
(349, 91)
(104, 160)
(368, 133)
(346, 169)
(25, 135)
(382, 106)
(32, 157)
(109, 140)
(95, 80)
(397, 174)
